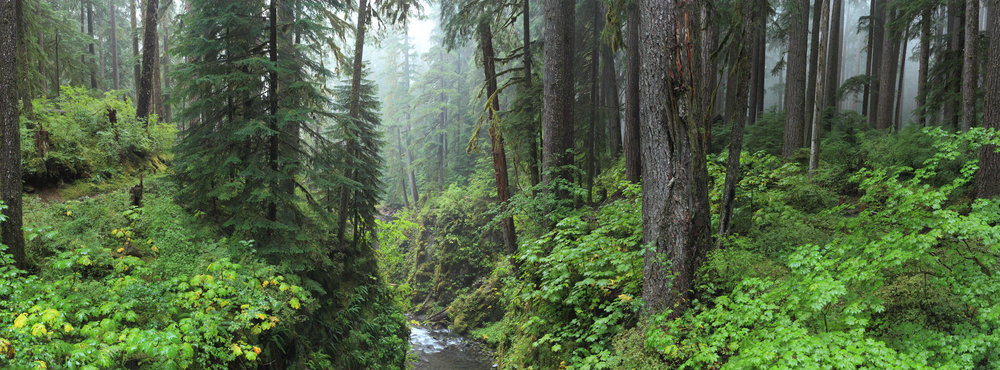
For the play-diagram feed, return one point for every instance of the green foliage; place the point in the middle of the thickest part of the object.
(908, 286)
(578, 289)
(71, 137)
(119, 288)
(766, 133)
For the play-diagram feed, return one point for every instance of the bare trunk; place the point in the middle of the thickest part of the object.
(832, 81)
(557, 119)
(897, 121)
(925, 57)
(114, 45)
(41, 46)
(813, 62)
(90, 45)
(10, 133)
(747, 47)
(970, 73)
(631, 140)
(675, 215)
(795, 83)
(135, 49)
(878, 44)
(988, 177)
(149, 51)
(887, 79)
(166, 75)
(817, 125)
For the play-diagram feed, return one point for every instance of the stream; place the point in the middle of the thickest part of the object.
(440, 349)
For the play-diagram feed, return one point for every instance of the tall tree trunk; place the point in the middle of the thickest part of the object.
(870, 60)
(534, 173)
(955, 30)
(760, 68)
(272, 98)
(887, 78)
(825, 43)
(970, 72)
(135, 49)
(925, 57)
(988, 177)
(149, 51)
(732, 90)
(557, 118)
(90, 45)
(41, 47)
(898, 112)
(813, 61)
(877, 51)
(754, 93)
(795, 83)
(631, 141)
(114, 45)
(11, 234)
(402, 177)
(55, 80)
(832, 81)
(709, 68)
(414, 191)
(675, 215)
(609, 97)
(590, 165)
(166, 75)
(496, 136)
(747, 50)
(354, 111)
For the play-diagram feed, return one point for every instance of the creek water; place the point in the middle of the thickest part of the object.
(440, 349)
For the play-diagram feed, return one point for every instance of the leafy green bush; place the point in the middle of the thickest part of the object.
(579, 287)
(71, 137)
(906, 287)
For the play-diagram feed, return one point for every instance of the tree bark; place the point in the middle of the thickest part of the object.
(825, 43)
(951, 107)
(925, 57)
(90, 45)
(760, 68)
(10, 132)
(557, 118)
(496, 136)
(114, 45)
(898, 112)
(135, 49)
(354, 110)
(747, 49)
(534, 173)
(631, 141)
(970, 72)
(675, 215)
(988, 177)
(166, 75)
(887, 79)
(149, 51)
(41, 47)
(609, 97)
(813, 62)
(832, 81)
(795, 83)
(876, 50)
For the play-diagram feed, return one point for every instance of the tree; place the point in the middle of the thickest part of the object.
(150, 50)
(970, 73)
(886, 88)
(813, 62)
(675, 215)
(631, 142)
(988, 177)
(832, 81)
(559, 92)
(10, 132)
(795, 82)
(826, 41)
(114, 44)
(751, 15)
(925, 57)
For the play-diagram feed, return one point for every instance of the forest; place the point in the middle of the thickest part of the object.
(559, 184)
